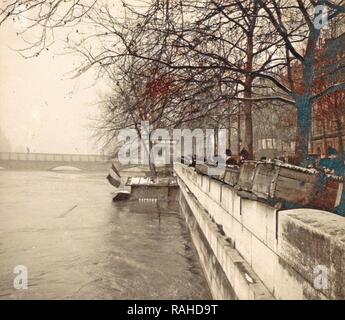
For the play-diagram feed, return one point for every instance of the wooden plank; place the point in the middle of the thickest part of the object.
(297, 175)
(201, 168)
(284, 183)
(245, 180)
(265, 174)
(293, 190)
(231, 176)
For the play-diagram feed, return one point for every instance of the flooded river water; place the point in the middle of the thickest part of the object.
(77, 244)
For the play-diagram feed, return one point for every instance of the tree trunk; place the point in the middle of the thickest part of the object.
(340, 137)
(304, 117)
(339, 126)
(304, 102)
(248, 125)
(152, 166)
(324, 140)
(229, 133)
(248, 83)
(147, 150)
(239, 131)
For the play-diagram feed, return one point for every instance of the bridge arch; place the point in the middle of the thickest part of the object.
(49, 162)
(65, 168)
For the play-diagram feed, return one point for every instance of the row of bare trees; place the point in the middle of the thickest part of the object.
(174, 61)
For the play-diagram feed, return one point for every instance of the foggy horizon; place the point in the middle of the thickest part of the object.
(42, 109)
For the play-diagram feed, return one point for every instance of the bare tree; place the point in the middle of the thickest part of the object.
(226, 51)
(298, 26)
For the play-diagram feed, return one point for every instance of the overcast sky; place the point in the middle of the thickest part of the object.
(40, 108)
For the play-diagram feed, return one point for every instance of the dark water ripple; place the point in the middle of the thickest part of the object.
(77, 244)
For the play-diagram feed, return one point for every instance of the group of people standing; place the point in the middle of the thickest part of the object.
(332, 162)
(229, 158)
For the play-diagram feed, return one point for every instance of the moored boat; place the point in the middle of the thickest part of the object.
(139, 187)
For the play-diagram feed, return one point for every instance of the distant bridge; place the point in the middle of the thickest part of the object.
(50, 161)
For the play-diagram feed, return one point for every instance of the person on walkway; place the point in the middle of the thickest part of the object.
(229, 159)
(244, 155)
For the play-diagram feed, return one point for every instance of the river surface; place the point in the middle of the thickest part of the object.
(77, 244)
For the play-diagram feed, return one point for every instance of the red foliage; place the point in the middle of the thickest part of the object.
(330, 105)
(160, 86)
(326, 107)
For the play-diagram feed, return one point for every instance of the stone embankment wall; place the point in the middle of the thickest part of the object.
(250, 250)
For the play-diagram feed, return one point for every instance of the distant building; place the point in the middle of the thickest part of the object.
(326, 133)
(328, 128)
